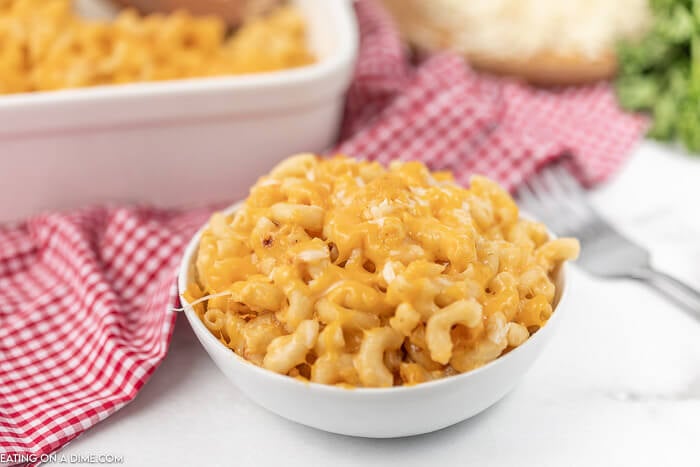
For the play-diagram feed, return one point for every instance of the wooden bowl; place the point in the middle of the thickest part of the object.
(231, 11)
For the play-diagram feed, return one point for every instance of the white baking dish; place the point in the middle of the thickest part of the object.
(179, 142)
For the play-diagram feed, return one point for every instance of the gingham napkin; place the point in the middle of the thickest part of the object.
(85, 296)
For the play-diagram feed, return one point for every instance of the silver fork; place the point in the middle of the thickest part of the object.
(555, 197)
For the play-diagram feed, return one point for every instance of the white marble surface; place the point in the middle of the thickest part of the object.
(619, 385)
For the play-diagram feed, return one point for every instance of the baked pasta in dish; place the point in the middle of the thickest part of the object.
(45, 45)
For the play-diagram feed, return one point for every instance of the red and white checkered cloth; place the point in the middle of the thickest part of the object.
(84, 297)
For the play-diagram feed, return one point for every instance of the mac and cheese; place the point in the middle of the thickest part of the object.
(343, 272)
(44, 46)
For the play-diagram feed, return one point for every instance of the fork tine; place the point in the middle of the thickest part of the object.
(566, 190)
(568, 181)
(555, 200)
(559, 203)
(571, 186)
(533, 197)
(531, 202)
(555, 187)
(539, 188)
(595, 224)
(527, 198)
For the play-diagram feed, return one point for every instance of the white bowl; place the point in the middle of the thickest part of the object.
(372, 412)
(144, 142)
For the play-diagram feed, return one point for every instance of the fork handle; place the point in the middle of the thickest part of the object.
(680, 292)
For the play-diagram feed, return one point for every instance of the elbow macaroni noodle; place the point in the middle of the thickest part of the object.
(45, 46)
(343, 272)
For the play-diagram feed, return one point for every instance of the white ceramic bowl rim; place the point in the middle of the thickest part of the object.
(182, 282)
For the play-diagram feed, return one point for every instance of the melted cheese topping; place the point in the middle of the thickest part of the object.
(343, 272)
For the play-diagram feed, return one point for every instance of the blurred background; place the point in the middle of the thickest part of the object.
(125, 124)
(105, 105)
